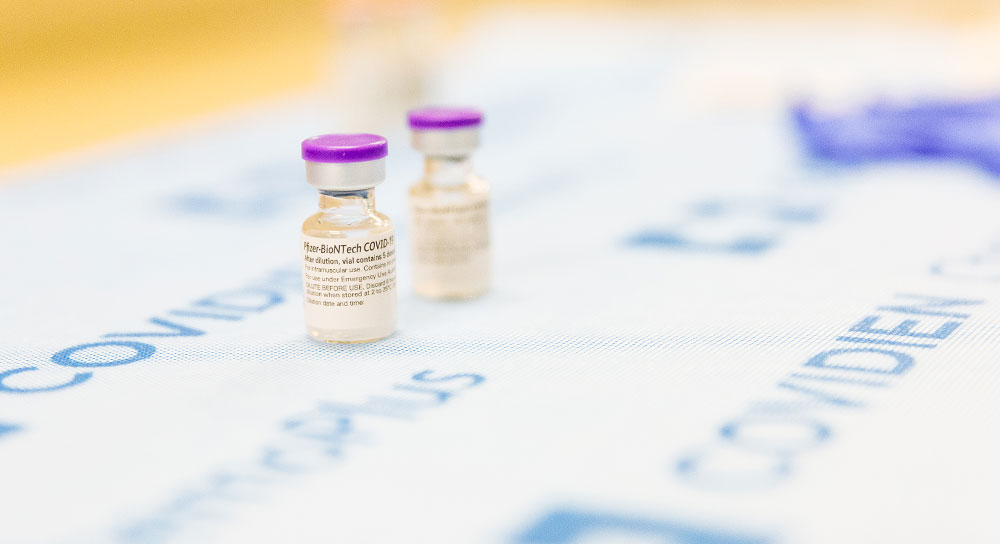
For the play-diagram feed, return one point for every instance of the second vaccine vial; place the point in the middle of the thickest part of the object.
(449, 206)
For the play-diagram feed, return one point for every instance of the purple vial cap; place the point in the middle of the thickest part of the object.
(438, 118)
(344, 148)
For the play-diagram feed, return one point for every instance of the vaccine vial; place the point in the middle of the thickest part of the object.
(348, 248)
(449, 206)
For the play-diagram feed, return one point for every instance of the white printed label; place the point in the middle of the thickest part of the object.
(350, 283)
(451, 245)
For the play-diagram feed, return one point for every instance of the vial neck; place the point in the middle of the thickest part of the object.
(447, 170)
(360, 202)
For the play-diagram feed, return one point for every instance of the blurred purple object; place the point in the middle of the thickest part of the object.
(437, 118)
(933, 130)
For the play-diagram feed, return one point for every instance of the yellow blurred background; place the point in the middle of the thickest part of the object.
(78, 73)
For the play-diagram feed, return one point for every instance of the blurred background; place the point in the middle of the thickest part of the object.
(73, 74)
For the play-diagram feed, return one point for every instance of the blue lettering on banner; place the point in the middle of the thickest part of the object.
(6, 429)
(753, 226)
(901, 361)
(79, 377)
(139, 350)
(307, 442)
(177, 328)
(980, 267)
(744, 458)
(233, 305)
(568, 526)
(905, 328)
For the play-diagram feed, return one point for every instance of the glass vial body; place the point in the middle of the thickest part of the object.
(348, 248)
(450, 230)
(449, 206)
(347, 220)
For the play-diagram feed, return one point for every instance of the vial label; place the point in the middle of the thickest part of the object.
(451, 245)
(350, 283)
